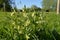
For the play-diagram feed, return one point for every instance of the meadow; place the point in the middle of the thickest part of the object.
(29, 26)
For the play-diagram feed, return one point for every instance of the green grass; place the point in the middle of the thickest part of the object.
(29, 26)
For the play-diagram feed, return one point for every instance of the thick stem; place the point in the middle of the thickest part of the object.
(57, 6)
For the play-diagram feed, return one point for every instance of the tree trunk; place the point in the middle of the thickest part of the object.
(58, 6)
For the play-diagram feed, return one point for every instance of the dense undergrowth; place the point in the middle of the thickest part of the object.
(29, 26)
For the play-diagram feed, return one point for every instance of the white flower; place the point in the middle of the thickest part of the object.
(12, 13)
(14, 27)
(20, 32)
(37, 22)
(18, 27)
(24, 14)
(33, 14)
(13, 23)
(27, 22)
(27, 37)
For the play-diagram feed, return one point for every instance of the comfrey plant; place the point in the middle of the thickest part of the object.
(29, 26)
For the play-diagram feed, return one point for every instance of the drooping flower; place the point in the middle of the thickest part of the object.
(13, 23)
(13, 13)
(25, 14)
(27, 37)
(33, 14)
(18, 27)
(27, 22)
(20, 32)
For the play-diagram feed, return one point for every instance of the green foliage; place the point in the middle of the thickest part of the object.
(29, 26)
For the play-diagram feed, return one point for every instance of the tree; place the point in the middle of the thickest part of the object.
(58, 7)
(7, 5)
(49, 4)
(35, 8)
